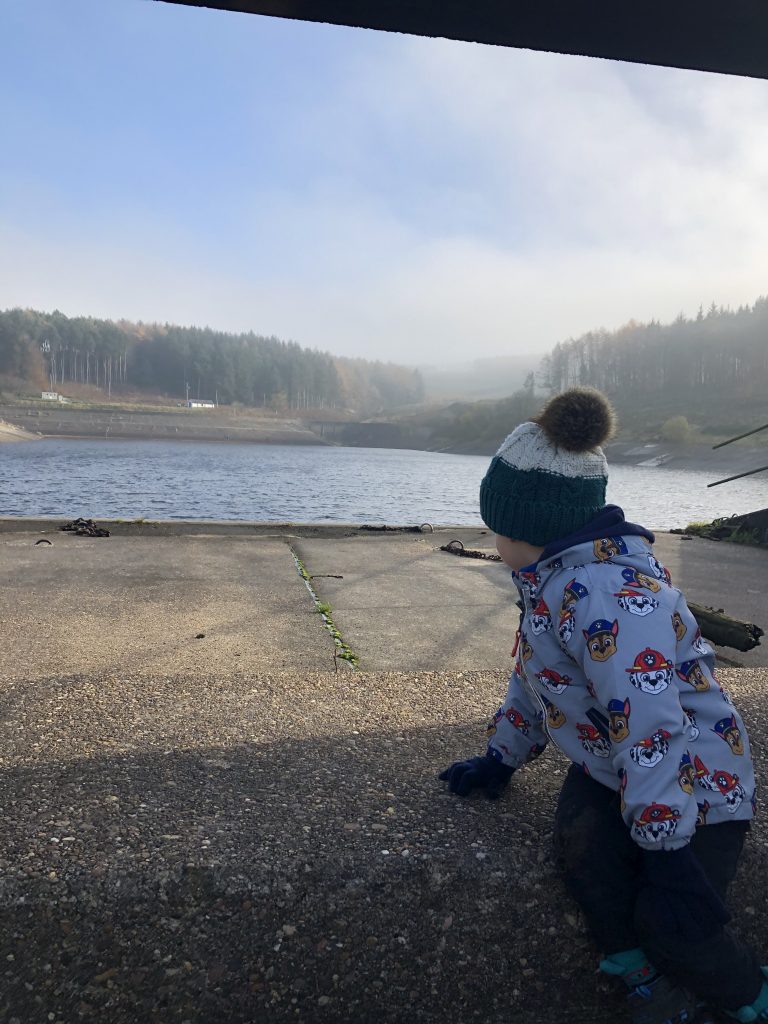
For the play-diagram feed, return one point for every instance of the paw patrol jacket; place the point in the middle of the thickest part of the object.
(611, 665)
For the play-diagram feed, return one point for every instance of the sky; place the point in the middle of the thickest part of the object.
(371, 194)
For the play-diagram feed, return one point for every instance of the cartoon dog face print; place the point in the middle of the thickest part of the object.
(685, 774)
(639, 579)
(731, 789)
(606, 547)
(619, 712)
(592, 741)
(690, 672)
(679, 626)
(693, 729)
(701, 817)
(635, 602)
(517, 720)
(490, 729)
(530, 582)
(555, 717)
(601, 639)
(727, 729)
(526, 651)
(565, 627)
(700, 645)
(651, 672)
(553, 681)
(649, 751)
(541, 620)
(722, 782)
(725, 695)
(657, 822)
(574, 591)
(658, 570)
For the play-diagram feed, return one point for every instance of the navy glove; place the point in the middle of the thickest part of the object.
(478, 773)
(679, 897)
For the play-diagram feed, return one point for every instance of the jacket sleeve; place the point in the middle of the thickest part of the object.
(515, 733)
(629, 660)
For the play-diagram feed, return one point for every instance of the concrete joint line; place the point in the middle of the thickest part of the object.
(342, 650)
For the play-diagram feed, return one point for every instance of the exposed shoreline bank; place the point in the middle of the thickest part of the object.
(27, 423)
(9, 433)
(33, 422)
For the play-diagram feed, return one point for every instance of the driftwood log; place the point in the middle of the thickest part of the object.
(724, 631)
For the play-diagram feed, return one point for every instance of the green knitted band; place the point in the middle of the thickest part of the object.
(536, 506)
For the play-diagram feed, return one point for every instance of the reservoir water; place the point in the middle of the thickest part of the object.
(188, 480)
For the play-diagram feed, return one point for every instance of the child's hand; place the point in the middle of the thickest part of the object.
(477, 773)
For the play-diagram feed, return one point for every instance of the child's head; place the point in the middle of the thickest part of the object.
(548, 478)
(517, 553)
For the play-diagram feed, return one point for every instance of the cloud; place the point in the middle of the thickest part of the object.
(431, 200)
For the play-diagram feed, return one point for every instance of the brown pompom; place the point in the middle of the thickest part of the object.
(578, 419)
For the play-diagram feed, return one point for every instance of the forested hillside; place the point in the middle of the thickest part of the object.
(706, 375)
(679, 383)
(712, 369)
(52, 350)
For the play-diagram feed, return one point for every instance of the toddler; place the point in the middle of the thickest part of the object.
(611, 665)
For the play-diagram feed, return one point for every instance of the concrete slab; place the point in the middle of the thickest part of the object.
(728, 576)
(190, 834)
(277, 847)
(404, 605)
(122, 604)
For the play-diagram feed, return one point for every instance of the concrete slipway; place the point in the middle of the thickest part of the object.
(239, 827)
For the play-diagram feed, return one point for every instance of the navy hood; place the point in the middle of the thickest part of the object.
(609, 522)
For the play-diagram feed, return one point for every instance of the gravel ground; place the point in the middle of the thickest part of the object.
(276, 847)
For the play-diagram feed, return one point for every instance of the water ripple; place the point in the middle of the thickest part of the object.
(185, 480)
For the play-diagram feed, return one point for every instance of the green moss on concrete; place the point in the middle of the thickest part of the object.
(343, 650)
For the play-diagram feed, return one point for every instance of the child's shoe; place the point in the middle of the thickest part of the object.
(758, 1010)
(662, 1002)
(653, 998)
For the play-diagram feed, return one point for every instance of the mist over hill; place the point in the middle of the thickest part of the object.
(711, 369)
(490, 377)
(695, 379)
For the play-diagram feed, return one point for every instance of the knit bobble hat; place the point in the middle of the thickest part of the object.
(548, 478)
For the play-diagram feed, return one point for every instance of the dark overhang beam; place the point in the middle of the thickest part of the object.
(726, 36)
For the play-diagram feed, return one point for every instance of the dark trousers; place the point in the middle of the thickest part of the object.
(602, 866)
